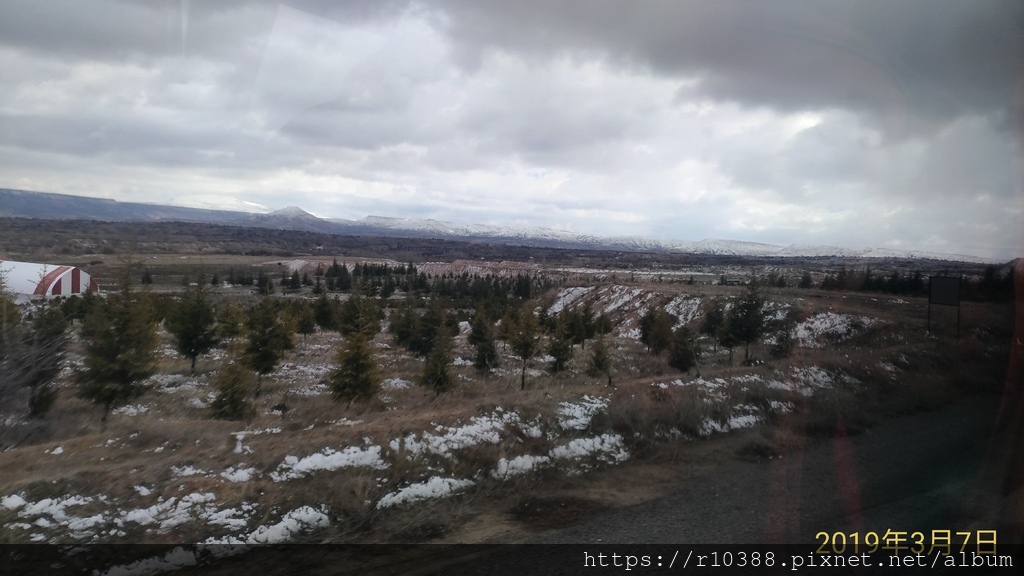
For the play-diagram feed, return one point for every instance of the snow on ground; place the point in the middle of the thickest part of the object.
(620, 296)
(167, 514)
(51, 514)
(685, 308)
(131, 410)
(239, 474)
(523, 464)
(577, 416)
(435, 487)
(290, 372)
(318, 389)
(480, 430)
(188, 470)
(396, 384)
(295, 522)
(775, 311)
(55, 451)
(344, 422)
(829, 327)
(713, 389)
(567, 296)
(812, 377)
(606, 448)
(172, 383)
(328, 459)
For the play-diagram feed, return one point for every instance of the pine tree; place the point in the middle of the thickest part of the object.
(192, 323)
(229, 321)
(120, 342)
(726, 335)
(481, 338)
(268, 338)
(560, 350)
(714, 318)
(10, 317)
(325, 312)
(356, 377)
(747, 318)
(600, 360)
(359, 314)
(32, 356)
(805, 280)
(305, 317)
(524, 338)
(264, 284)
(656, 330)
(234, 385)
(404, 323)
(437, 369)
(428, 326)
(344, 280)
(682, 354)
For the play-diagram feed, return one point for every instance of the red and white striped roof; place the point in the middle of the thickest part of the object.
(31, 279)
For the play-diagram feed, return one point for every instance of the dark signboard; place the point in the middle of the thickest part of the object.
(944, 290)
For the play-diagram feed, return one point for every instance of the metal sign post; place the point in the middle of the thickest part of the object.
(944, 291)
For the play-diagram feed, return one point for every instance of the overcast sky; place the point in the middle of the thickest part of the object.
(849, 123)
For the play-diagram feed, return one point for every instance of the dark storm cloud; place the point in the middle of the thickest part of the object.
(903, 62)
(836, 122)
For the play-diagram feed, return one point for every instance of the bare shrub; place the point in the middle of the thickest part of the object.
(642, 413)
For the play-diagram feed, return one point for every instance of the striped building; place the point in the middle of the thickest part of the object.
(27, 280)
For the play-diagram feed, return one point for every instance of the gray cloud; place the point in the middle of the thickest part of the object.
(853, 123)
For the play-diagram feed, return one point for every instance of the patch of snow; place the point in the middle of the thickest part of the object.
(577, 416)
(480, 430)
(56, 451)
(131, 410)
(318, 389)
(12, 502)
(239, 475)
(686, 309)
(813, 377)
(632, 333)
(567, 296)
(142, 490)
(328, 459)
(172, 512)
(295, 522)
(742, 421)
(435, 487)
(608, 448)
(829, 327)
(519, 465)
(344, 422)
(187, 470)
(622, 295)
(396, 384)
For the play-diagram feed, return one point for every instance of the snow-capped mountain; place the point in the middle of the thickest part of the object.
(18, 203)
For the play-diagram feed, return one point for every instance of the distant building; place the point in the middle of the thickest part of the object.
(27, 280)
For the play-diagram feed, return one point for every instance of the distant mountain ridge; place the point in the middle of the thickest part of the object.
(42, 205)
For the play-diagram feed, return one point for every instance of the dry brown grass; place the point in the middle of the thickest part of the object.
(897, 370)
